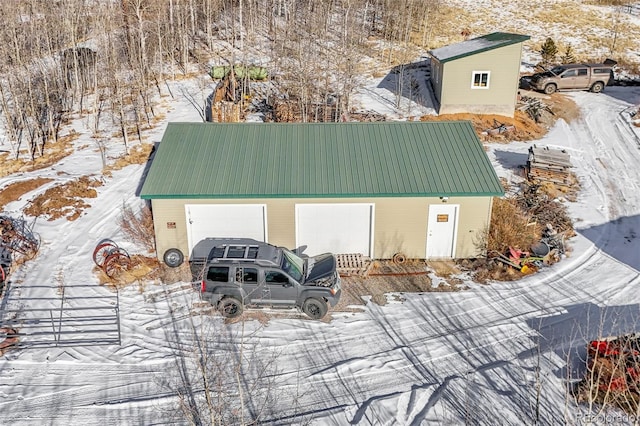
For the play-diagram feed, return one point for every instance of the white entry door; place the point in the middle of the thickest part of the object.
(441, 230)
(225, 221)
(335, 228)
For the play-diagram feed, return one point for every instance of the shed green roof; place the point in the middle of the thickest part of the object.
(476, 45)
(256, 160)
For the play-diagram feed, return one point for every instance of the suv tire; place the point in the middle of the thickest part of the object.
(314, 308)
(230, 307)
(597, 87)
(550, 88)
(173, 257)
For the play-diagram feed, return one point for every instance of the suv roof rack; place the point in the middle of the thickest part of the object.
(234, 251)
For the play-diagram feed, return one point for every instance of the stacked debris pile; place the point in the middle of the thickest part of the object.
(226, 105)
(498, 128)
(542, 208)
(294, 110)
(549, 165)
(613, 373)
(534, 107)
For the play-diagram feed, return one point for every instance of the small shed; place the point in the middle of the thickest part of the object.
(479, 76)
(423, 189)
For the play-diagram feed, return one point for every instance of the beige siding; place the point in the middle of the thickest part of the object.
(475, 214)
(500, 98)
(400, 223)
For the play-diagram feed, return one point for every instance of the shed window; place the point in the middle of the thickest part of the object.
(480, 80)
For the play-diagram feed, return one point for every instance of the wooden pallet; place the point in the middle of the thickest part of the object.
(549, 165)
(548, 156)
(554, 176)
(352, 264)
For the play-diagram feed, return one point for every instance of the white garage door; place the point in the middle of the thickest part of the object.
(335, 228)
(226, 221)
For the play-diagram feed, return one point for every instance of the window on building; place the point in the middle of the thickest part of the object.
(480, 80)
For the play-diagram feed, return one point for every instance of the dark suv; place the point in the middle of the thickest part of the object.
(239, 272)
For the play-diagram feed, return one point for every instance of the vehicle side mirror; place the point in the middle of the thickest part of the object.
(300, 250)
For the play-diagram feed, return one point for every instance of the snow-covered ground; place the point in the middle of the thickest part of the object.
(479, 356)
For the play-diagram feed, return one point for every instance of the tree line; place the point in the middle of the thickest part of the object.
(107, 59)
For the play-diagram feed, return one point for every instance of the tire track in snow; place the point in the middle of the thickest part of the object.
(560, 287)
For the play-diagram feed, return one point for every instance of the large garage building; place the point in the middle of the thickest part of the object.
(423, 189)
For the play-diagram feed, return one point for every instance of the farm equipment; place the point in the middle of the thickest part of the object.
(545, 252)
(615, 361)
(16, 237)
(111, 258)
(523, 261)
(613, 372)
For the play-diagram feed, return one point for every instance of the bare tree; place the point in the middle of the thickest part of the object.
(223, 376)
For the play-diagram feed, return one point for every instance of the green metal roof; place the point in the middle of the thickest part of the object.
(476, 45)
(255, 160)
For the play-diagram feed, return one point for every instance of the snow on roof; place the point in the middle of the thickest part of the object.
(477, 45)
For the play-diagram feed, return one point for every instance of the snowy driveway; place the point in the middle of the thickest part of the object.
(480, 356)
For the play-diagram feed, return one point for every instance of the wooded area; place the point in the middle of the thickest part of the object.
(107, 60)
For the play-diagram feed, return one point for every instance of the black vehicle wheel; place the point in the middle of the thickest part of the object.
(550, 88)
(230, 307)
(173, 257)
(314, 308)
(597, 87)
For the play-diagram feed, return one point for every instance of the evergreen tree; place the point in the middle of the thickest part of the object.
(567, 56)
(548, 51)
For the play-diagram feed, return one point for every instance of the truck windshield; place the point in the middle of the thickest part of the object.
(557, 70)
(292, 265)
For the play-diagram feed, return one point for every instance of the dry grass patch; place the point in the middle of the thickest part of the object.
(448, 24)
(16, 190)
(143, 269)
(525, 127)
(591, 31)
(66, 200)
(138, 154)
(54, 152)
(444, 268)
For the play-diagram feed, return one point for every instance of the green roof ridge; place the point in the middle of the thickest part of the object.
(477, 45)
(320, 160)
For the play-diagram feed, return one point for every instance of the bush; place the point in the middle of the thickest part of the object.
(510, 227)
(138, 227)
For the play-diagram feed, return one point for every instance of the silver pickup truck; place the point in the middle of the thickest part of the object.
(593, 77)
